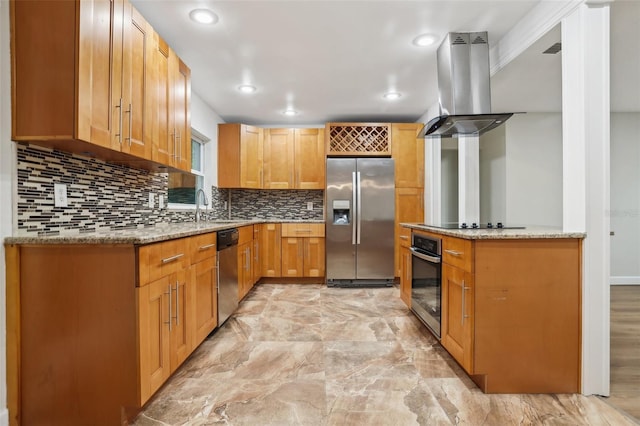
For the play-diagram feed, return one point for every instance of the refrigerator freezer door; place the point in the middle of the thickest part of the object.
(375, 218)
(340, 242)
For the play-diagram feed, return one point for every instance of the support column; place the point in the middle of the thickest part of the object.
(433, 180)
(469, 179)
(585, 128)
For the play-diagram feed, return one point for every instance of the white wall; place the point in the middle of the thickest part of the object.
(625, 198)
(205, 121)
(449, 180)
(6, 184)
(534, 169)
(493, 186)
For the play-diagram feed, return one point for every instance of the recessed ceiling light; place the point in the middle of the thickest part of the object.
(391, 95)
(290, 112)
(424, 40)
(247, 88)
(203, 16)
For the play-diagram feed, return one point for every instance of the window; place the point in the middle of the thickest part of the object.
(183, 186)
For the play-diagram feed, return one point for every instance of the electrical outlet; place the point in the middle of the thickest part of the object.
(60, 195)
(151, 200)
(309, 205)
(161, 201)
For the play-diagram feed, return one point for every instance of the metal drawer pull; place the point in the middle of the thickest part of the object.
(404, 237)
(454, 253)
(177, 317)
(464, 289)
(207, 247)
(172, 258)
(432, 259)
(303, 230)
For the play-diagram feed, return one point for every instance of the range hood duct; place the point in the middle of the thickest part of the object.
(464, 87)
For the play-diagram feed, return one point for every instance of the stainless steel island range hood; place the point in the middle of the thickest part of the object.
(464, 87)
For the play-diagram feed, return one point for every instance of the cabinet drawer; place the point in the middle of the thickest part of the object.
(405, 237)
(303, 230)
(245, 234)
(161, 259)
(458, 252)
(202, 247)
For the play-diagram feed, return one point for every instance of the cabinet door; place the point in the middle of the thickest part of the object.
(457, 314)
(409, 208)
(250, 157)
(314, 257)
(278, 159)
(205, 288)
(292, 257)
(309, 159)
(244, 269)
(270, 249)
(100, 112)
(163, 141)
(153, 328)
(181, 328)
(408, 151)
(256, 268)
(181, 100)
(405, 275)
(137, 103)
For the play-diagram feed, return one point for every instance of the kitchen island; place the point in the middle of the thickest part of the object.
(97, 322)
(510, 305)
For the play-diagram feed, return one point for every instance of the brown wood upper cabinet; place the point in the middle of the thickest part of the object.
(84, 79)
(408, 152)
(172, 124)
(240, 156)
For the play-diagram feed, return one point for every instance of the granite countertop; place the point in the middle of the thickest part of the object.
(499, 234)
(152, 234)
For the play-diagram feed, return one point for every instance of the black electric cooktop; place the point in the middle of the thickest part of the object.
(463, 226)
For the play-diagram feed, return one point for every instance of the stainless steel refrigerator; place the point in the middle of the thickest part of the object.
(360, 209)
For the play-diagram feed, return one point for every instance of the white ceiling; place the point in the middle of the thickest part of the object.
(333, 60)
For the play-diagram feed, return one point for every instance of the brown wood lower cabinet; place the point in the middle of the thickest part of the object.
(95, 330)
(303, 250)
(511, 312)
(405, 265)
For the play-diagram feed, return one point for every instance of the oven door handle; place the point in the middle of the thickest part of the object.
(432, 259)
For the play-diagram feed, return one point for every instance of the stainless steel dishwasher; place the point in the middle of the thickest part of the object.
(227, 262)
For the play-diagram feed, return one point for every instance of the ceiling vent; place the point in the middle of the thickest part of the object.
(555, 48)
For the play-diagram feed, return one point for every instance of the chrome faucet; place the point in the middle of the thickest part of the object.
(206, 203)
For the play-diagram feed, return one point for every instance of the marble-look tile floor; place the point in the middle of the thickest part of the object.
(312, 355)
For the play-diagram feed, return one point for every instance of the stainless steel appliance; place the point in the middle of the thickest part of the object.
(227, 267)
(464, 87)
(360, 210)
(426, 280)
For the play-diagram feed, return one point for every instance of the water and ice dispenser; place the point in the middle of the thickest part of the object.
(341, 212)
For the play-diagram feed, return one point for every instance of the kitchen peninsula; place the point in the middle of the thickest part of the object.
(510, 305)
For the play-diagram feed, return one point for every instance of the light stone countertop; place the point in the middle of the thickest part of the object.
(534, 232)
(139, 236)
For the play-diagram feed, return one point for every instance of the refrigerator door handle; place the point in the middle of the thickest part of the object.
(359, 209)
(353, 207)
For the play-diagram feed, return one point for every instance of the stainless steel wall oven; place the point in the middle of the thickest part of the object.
(426, 280)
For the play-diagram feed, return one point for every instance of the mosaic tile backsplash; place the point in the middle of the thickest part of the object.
(103, 196)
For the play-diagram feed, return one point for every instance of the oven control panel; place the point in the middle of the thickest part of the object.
(428, 244)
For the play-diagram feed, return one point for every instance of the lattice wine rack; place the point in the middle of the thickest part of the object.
(358, 139)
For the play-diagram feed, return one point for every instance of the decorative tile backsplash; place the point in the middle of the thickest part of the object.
(100, 195)
(276, 204)
(103, 196)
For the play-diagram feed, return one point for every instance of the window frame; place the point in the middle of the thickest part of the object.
(199, 174)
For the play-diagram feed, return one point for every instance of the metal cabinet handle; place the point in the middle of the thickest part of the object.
(169, 294)
(130, 112)
(464, 289)
(454, 253)
(177, 317)
(119, 134)
(207, 247)
(432, 259)
(404, 237)
(303, 230)
(172, 258)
